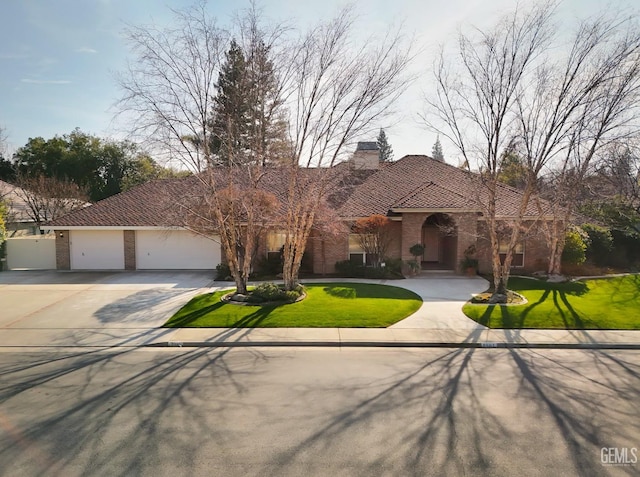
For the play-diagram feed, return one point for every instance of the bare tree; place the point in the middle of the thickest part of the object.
(374, 236)
(48, 198)
(554, 111)
(3, 141)
(619, 172)
(337, 91)
(580, 105)
(171, 87)
(475, 108)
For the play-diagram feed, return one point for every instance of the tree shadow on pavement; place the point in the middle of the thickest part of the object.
(451, 425)
(89, 432)
(144, 306)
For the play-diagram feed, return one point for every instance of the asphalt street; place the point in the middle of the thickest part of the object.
(307, 412)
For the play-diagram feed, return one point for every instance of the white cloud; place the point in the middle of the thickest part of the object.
(86, 49)
(36, 81)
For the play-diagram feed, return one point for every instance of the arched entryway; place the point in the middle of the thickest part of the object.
(440, 240)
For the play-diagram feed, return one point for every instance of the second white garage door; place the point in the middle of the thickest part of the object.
(175, 250)
(97, 250)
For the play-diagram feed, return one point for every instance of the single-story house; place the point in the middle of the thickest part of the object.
(428, 202)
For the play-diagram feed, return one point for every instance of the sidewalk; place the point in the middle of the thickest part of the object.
(406, 337)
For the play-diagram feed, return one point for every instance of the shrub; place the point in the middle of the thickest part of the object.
(268, 292)
(223, 272)
(349, 269)
(416, 250)
(469, 262)
(413, 265)
(575, 246)
(272, 292)
(600, 244)
(394, 266)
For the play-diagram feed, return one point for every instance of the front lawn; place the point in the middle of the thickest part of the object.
(602, 303)
(327, 305)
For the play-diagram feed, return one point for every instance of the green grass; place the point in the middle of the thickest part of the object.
(603, 303)
(327, 305)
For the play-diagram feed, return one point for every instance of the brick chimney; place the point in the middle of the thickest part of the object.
(366, 156)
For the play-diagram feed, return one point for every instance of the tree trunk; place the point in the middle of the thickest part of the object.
(557, 246)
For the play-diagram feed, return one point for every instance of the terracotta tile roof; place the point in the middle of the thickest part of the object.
(147, 205)
(432, 196)
(416, 182)
(413, 182)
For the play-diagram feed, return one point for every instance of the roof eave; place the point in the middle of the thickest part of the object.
(401, 210)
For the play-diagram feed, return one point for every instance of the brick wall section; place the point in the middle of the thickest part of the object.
(408, 232)
(129, 250)
(411, 232)
(467, 224)
(63, 252)
(467, 230)
(395, 247)
(329, 251)
(536, 252)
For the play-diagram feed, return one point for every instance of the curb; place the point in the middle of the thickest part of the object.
(389, 344)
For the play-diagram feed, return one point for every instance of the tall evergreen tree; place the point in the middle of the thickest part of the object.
(247, 124)
(385, 150)
(436, 151)
(230, 124)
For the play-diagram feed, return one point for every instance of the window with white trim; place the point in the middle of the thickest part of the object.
(518, 254)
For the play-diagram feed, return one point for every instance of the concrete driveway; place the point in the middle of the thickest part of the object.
(91, 308)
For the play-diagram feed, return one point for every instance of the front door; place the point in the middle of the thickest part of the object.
(431, 241)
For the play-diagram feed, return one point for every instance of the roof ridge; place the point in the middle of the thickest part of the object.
(415, 191)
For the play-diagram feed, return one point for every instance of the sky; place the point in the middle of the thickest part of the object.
(58, 59)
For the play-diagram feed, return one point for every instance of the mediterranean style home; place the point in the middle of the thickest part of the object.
(427, 201)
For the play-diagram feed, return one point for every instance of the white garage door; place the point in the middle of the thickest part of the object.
(97, 250)
(178, 249)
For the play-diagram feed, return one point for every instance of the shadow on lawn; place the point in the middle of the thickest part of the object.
(559, 292)
(256, 318)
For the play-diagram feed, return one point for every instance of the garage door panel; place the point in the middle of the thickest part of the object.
(97, 250)
(178, 249)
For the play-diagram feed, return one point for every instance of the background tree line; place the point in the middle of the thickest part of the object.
(60, 174)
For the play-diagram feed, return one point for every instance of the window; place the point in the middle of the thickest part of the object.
(356, 252)
(518, 254)
(275, 242)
